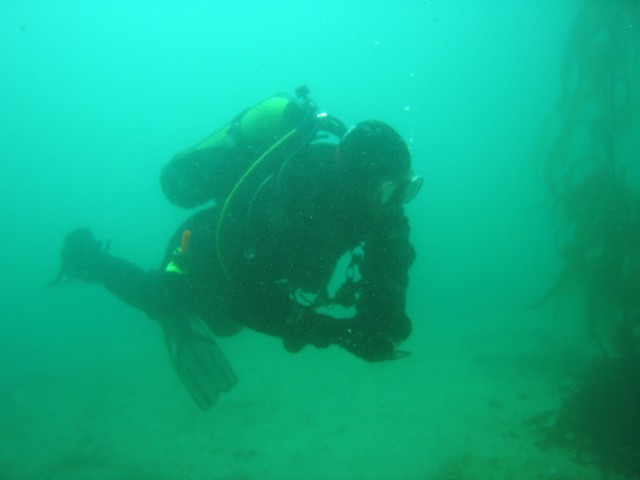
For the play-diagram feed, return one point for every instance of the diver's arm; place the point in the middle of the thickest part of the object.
(388, 256)
(269, 309)
(275, 313)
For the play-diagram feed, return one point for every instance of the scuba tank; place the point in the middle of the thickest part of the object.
(236, 233)
(240, 162)
(210, 169)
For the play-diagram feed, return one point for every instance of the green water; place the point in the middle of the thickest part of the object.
(97, 96)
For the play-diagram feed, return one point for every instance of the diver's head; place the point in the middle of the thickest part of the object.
(377, 164)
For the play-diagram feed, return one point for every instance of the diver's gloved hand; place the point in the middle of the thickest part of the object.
(310, 327)
(306, 327)
(368, 345)
(82, 256)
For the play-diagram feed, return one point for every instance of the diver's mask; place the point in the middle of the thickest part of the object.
(401, 191)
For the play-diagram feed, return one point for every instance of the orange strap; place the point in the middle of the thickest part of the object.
(184, 245)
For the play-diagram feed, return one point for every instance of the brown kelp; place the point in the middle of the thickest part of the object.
(585, 156)
(590, 164)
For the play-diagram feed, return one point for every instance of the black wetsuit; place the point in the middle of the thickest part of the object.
(301, 223)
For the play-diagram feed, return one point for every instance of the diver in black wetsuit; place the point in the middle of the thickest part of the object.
(295, 191)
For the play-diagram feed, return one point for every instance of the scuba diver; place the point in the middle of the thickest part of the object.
(296, 194)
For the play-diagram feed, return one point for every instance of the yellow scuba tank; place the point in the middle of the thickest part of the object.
(274, 145)
(210, 169)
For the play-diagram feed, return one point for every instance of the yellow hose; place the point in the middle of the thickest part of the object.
(230, 199)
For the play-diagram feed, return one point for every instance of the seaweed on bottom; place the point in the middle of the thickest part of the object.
(601, 421)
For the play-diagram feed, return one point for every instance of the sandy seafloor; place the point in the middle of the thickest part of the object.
(460, 407)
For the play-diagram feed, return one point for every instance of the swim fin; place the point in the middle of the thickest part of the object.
(199, 362)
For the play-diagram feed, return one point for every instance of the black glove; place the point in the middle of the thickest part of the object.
(368, 345)
(308, 327)
(82, 257)
(305, 326)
